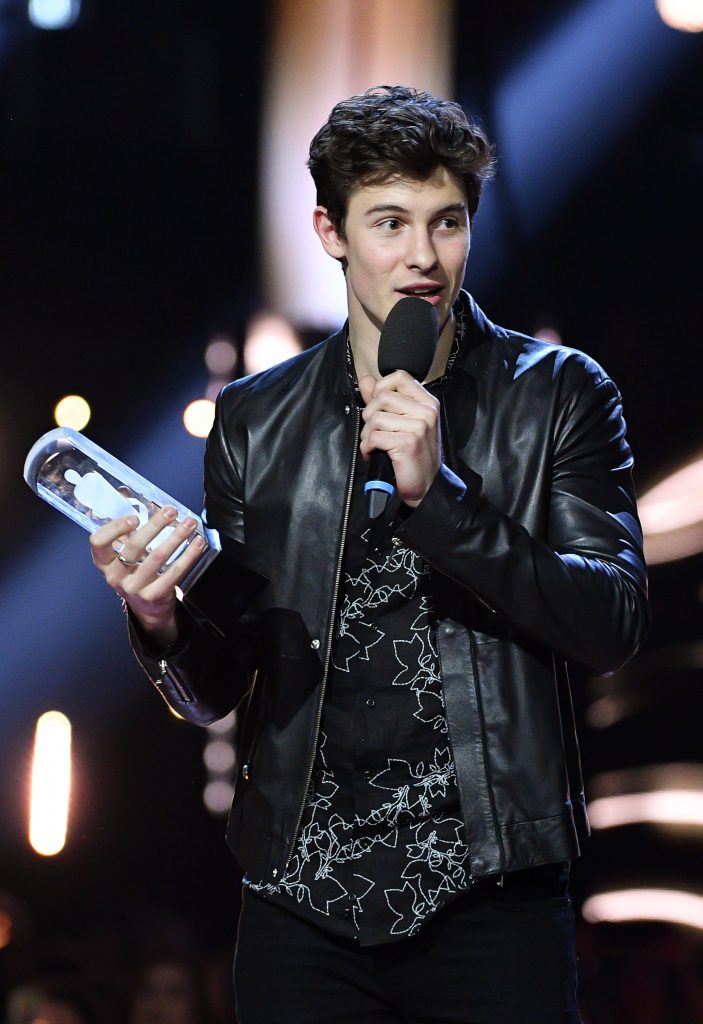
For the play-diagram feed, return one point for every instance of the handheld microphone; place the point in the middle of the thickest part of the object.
(408, 342)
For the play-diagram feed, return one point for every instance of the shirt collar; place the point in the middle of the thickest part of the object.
(461, 327)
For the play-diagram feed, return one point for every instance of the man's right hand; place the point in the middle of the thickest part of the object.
(148, 588)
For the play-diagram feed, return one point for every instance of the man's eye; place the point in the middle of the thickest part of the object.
(391, 224)
(448, 222)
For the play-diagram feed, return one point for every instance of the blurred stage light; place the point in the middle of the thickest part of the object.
(573, 94)
(670, 775)
(670, 905)
(53, 14)
(72, 411)
(217, 796)
(606, 711)
(684, 15)
(221, 356)
(199, 416)
(5, 929)
(665, 807)
(671, 514)
(409, 41)
(638, 690)
(225, 725)
(550, 335)
(270, 339)
(218, 756)
(51, 784)
(215, 386)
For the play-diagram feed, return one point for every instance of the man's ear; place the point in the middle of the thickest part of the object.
(332, 242)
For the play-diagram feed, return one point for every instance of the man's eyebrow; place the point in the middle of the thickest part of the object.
(394, 208)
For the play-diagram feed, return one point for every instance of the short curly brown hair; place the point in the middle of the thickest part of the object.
(393, 130)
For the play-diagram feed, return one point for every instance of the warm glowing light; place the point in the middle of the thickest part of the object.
(270, 339)
(221, 356)
(606, 711)
(675, 502)
(663, 807)
(663, 662)
(670, 905)
(549, 334)
(672, 515)
(678, 775)
(5, 929)
(199, 416)
(72, 411)
(217, 796)
(684, 15)
(51, 784)
(53, 14)
(318, 52)
(219, 756)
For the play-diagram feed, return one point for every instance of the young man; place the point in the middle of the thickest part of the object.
(409, 795)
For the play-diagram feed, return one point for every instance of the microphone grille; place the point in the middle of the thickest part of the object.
(409, 338)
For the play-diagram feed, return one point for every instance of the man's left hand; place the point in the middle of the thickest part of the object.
(402, 418)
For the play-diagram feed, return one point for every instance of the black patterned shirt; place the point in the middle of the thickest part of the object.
(381, 845)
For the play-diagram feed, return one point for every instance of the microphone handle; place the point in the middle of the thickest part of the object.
(380, 486)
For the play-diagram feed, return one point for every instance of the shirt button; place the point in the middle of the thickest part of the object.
(368, 773)
(371, 703)
(315, 644)
(347, 912)
(396, 542)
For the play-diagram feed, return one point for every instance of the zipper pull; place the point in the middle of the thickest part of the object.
(176, 683)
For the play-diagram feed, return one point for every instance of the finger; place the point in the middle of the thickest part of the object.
(404, 387)
(182, 565)
(153, 580)
(394, 401)
(366, 386)
(135, 550)
(102, 541)
(418, 425)
(401, 381)
(135, 545)
(393, 441)
(182, 534)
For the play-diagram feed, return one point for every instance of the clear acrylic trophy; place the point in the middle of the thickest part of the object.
(91, 487)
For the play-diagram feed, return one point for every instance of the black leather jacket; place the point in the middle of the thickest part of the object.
(531, 530)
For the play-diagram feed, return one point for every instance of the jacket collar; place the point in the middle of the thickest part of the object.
(471, 348)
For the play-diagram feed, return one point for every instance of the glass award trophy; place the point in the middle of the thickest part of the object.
(91, 487)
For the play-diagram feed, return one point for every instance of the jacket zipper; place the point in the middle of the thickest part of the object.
(169, 674)
(330, 635)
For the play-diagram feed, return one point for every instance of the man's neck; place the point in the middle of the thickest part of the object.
(365, 351)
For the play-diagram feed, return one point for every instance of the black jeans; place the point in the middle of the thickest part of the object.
(492, 956)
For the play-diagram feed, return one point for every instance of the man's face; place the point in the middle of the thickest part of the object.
(404, 237)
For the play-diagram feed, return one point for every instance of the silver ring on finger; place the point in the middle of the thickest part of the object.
(126, 561)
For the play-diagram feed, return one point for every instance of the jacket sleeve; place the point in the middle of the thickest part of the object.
(580, 589)
(209, 670)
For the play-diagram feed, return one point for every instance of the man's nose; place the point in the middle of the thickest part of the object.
(420, 254)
